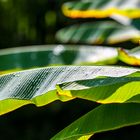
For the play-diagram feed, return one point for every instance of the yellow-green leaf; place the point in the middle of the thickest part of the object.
(102, 8)
(131, 57)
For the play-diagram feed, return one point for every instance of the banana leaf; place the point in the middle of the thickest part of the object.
(103, 32)
(41, 86)
(103, 118)
(32, 57)
(102, 8)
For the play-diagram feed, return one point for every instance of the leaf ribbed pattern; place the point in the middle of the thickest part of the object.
(38, 86)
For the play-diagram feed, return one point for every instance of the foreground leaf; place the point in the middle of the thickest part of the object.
(41, 86)
(32, 57)
(103, 118)
(131, 57)
(105, 89)
(102, 8)
(106, 32)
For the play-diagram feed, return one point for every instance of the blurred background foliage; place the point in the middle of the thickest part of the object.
(35, 22)
(28, 22)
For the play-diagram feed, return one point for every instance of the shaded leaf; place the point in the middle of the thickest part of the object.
(103, 118)
(106, 32)
(102, 8)
(136, 23)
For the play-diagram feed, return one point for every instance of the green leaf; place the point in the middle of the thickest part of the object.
(105, 89)
(131, 57)
(103, 118)
(32, 57)
(41, 86)
(104, 32)
(102, 8)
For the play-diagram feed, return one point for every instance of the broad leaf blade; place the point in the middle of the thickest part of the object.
(106, 32)
(105, 89)
(40, 86)
(131, 57)
(102, 8)
(31, 57)
(103, 118)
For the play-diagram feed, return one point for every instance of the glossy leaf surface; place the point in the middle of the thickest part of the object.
(32, 57)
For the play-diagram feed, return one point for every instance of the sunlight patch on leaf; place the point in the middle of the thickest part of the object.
(101, 8)
(131, 57)
(40, 86)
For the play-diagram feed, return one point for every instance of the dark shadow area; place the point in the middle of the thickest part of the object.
(33, 123)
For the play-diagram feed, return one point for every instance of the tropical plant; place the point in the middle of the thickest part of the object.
(40, 86)
(29, 75)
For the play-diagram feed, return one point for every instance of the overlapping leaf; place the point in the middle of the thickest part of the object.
(106, 32)
(41, 86)
(102, 8)
(105, 90)
(131, 57)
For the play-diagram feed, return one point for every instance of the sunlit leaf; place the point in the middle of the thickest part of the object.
(105, 89)
(106, 32)
(43, 85)
(103, 118)
(31, 57)
(131, 57)
(102, 8)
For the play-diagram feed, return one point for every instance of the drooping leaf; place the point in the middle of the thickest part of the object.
(105, 89)
(131, 57)
(102, 8)
(42, 85)
(31, 57)
(103, 118)
(106, 32)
